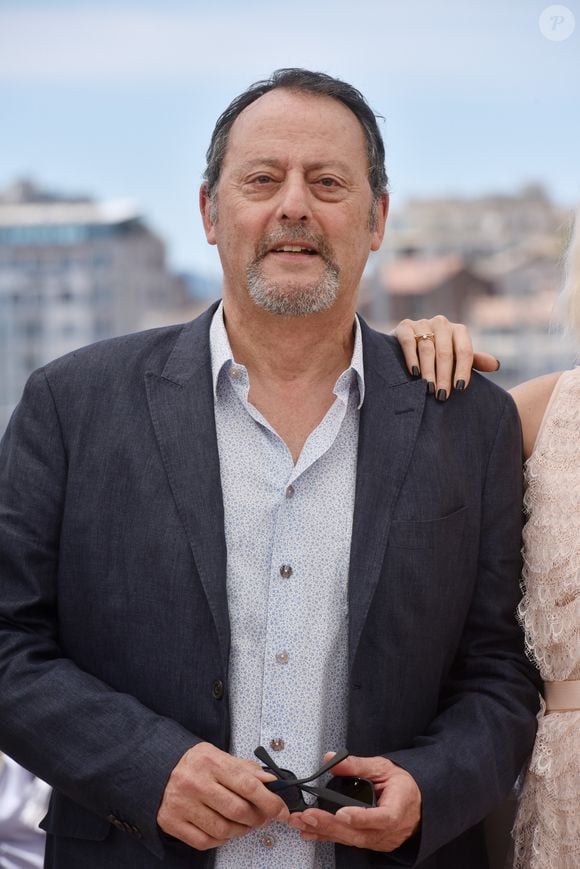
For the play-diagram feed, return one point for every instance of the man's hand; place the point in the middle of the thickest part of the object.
(446, 361)
(211, 797)
(384, 828)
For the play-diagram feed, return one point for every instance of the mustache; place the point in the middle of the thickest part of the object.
(295, 233)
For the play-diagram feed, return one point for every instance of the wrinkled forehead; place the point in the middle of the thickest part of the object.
(295, 118)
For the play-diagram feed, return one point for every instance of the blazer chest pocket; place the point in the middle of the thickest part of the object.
(429, 533)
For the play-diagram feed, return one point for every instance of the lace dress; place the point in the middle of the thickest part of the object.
(547, 828)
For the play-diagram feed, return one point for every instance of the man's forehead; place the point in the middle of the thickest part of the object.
(284, 112)
(276, 101)
(266, 161)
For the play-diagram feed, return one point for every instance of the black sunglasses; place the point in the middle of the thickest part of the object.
(339, 791)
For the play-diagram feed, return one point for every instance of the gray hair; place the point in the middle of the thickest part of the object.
(302, 81)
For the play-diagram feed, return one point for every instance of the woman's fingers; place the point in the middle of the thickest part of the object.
(442, 353)
(485, 362)
(405, 335)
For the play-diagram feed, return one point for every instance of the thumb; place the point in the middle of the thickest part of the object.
(485, 362)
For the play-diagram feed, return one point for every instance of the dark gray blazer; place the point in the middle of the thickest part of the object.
(114, 633)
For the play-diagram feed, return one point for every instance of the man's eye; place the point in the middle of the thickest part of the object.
(262, 179)
(328, 182)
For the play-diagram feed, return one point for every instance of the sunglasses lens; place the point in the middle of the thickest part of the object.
(293, 799)
(291, 794)
(360, 789)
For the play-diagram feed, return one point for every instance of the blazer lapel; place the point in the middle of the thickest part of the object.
(182, 410)
(389, 423)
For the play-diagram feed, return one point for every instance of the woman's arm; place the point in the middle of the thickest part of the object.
(532, 399)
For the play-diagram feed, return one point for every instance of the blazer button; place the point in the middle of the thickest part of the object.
(218, 689)
(116, 822)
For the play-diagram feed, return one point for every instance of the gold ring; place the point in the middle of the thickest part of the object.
(426, 336)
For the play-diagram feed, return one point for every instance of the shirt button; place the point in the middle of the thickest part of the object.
(290, 491)
(235, 372)
(277, 744)
(268, 841)
(282, 657)
(285, 571)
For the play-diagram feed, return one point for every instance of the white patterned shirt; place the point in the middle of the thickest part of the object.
(288, 531)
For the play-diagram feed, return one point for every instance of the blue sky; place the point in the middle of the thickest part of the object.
(118, 98)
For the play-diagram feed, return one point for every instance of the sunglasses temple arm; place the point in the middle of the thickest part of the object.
(340, 755)
(263, 755)
(265, 758)
(334, 797)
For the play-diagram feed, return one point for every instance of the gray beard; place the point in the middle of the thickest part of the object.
(290, 299)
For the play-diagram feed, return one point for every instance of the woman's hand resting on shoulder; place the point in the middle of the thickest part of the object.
(442, 353)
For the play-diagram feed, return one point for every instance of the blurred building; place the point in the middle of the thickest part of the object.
(410, 285)
(473, 226)
(72, 271)
(493, 262)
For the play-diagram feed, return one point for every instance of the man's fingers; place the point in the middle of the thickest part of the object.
(391, 814)
(214, 824)
(380, 832)
(212, 797)
(220, 815)
(209, 766)
(245, 799)
(325, 827)
(373, 768)
(233, 808)
(383, 828)
(195, 837)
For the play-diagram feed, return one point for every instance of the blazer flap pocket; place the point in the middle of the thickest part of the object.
(68, 819)
(427, 533)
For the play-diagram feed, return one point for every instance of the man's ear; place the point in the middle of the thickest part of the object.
(208, 208)
(381, 213)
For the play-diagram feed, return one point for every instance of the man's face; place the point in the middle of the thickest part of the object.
(292, 213)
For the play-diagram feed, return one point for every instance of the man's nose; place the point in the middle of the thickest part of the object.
(294, 201)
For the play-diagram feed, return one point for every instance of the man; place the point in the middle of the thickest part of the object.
(256, 528)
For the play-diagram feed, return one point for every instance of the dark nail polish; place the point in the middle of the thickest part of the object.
(431, 388)
(460, 385)
(441, 395)
(415, 371)
(498, 364)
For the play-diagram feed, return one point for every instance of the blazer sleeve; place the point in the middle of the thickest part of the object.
(102, 748)
(471, 754)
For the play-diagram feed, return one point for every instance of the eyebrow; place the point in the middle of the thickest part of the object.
(311, 167)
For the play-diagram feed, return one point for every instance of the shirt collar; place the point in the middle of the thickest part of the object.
(222, 357)
(219, 345)
(357, 362)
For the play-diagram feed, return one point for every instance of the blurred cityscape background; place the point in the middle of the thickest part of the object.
(106, 111)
